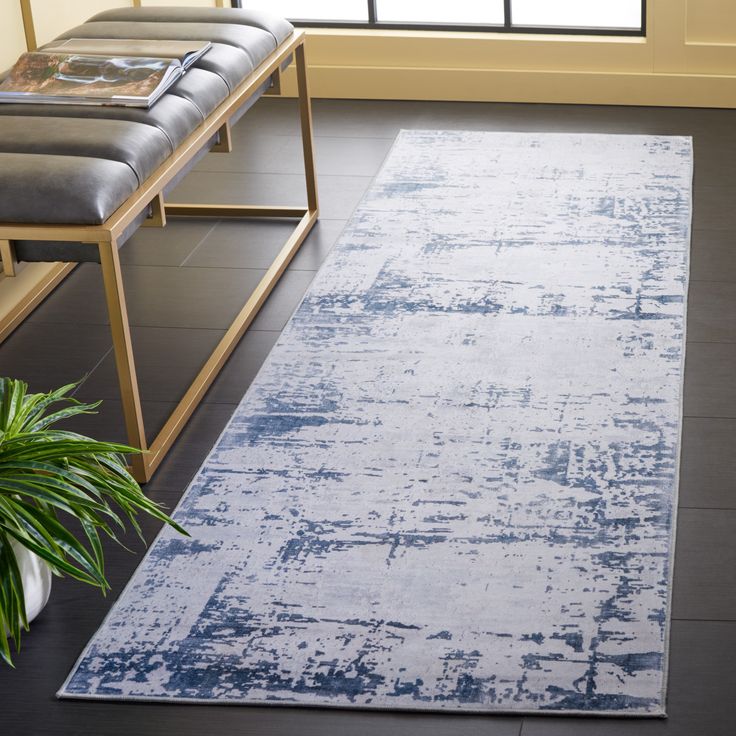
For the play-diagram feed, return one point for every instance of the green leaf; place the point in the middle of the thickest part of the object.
(50, 477)
(12, 601)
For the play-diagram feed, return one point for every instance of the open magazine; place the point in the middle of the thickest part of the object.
(187, 52)
(129, 79)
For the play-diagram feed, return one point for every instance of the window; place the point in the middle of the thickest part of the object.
(599, 14)
(604, 17)
(488, 13)
(314, 10)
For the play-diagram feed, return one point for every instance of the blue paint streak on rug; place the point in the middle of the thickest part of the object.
(453, 483)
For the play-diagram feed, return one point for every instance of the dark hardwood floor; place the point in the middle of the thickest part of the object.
(185, 283)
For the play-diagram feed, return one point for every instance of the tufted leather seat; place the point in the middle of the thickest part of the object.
(142, 147)
(47, 188)
(73, 164)
(176, 117)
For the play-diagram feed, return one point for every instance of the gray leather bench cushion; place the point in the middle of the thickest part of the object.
(176, 117)
(279, 28)
(142, 147)
(231, 64)
(203, 89)
(49, 189)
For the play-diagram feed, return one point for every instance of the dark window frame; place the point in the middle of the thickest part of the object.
(507, 27)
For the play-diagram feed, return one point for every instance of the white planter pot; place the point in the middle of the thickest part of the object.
(36, 577)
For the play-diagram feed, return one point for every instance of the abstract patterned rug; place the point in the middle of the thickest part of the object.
(452, 486)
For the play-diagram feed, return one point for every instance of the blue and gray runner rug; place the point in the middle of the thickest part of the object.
(452, 486)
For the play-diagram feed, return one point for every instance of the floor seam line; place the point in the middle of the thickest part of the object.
(196, 247)
(94, 368)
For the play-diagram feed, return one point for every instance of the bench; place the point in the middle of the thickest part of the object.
(77, 181)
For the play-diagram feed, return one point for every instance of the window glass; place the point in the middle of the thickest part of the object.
(577, 13)
(334, 10)
(623, 15)
(466, 12)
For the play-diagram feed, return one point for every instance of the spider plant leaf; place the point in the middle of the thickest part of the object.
(12, 600)
(90, 531)
(47, 490)
(76, 482)
(51, 448)
(12, 586)
(6, 617)
(56, 561)
(48, 476)
(58, 416)
(34, 406)
(38, 403)
(64, 539)
(13, 579)
(65, 484)
(12, 394)
(51, 541)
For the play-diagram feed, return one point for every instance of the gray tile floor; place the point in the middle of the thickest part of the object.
(173, 277)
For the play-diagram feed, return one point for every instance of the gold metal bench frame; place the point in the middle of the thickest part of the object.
(149, 195)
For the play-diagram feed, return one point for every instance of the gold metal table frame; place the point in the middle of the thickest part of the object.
(150, 195)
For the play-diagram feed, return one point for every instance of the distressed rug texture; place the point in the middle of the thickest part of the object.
(452, 486)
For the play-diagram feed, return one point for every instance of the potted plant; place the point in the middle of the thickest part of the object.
(51, 480)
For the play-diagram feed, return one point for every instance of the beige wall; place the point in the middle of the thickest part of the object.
(191, 3)
(687, 59)
(52, 17)
(12, 41)
(701, 17)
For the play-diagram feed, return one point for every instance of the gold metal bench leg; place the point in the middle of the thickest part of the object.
(224, 140)
(275, 89)
(305, 115)
(7, 256)
(157, 216)
(28, 26)
(122, 345)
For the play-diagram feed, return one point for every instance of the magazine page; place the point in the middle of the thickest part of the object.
(74, 77)
(187, 52)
